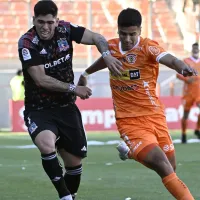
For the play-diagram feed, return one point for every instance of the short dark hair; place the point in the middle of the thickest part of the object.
(45, 7)
(19, 72)
(129, 17)
(196, 44)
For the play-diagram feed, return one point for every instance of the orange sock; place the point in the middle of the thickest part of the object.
(177, 188)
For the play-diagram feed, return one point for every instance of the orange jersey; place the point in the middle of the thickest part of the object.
(194, 87)
(134, 93)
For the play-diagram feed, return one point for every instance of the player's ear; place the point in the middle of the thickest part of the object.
(34, 20)
(140, 30)
(57, 21)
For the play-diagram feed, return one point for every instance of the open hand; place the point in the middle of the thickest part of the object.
(189, 71)
(114, 65)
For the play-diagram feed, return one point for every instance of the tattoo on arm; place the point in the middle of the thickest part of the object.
(55, 85)
(101, 43)
(60, 83)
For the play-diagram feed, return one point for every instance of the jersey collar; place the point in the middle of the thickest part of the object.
(124, 52)
(194, 59)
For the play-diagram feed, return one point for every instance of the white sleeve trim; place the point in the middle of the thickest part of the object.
(161, 55)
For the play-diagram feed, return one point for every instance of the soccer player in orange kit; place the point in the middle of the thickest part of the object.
(139, 113)
(191, 92)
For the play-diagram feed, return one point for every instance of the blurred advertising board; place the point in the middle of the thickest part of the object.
(98, 114)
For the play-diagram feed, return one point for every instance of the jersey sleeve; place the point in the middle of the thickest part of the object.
(28, 54)
(154, 51)
(76, 32)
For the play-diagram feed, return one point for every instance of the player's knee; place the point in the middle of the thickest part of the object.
(45, 142)
(161, 166)
(157, 161)
(46, 147)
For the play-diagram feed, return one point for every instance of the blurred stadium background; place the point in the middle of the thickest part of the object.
(175, 24)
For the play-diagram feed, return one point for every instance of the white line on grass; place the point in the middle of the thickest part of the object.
(24, 166)
(90, 143)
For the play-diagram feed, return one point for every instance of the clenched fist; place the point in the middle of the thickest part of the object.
(83, 92)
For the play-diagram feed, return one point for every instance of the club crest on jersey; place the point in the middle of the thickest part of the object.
(154, 50)
(63, 44)
(131, 58)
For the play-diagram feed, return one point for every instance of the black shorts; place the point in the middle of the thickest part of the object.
(64, 122)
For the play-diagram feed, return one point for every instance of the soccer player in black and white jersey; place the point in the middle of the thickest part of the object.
(51, 115)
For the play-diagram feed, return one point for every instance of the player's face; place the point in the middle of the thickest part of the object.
(128, 36)
(195, 52)
(45, 26)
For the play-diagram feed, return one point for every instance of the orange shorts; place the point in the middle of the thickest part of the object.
(189, 101)
(140, 132)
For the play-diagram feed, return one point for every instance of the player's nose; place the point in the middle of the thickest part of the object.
(45, 26)
(127, 39)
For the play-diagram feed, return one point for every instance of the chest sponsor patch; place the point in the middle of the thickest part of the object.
(134, 74)
(26, 54)
(128, 75)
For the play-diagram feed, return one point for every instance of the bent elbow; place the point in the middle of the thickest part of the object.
(39, 83)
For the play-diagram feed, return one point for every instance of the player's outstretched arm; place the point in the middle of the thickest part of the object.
(91, 38)
(181, 77)
(42, 80)
(178, 65)
(96, 66)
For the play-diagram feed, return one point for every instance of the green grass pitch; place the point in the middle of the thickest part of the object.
(105, 176)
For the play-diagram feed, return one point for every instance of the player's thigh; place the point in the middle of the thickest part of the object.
(41, 129)
(138, 135)
(164, 138)
(45, 141)
(172, 159)
(71, 131)
(157, 160)
(188, 102)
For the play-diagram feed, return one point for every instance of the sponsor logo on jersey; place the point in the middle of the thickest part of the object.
(35, 40)
(57, 62)
(26, 54)
(125, 88)
(43, 51)
(137, 146)
(147, 91)
(63, 44)
(128, 75)
(84, 148)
